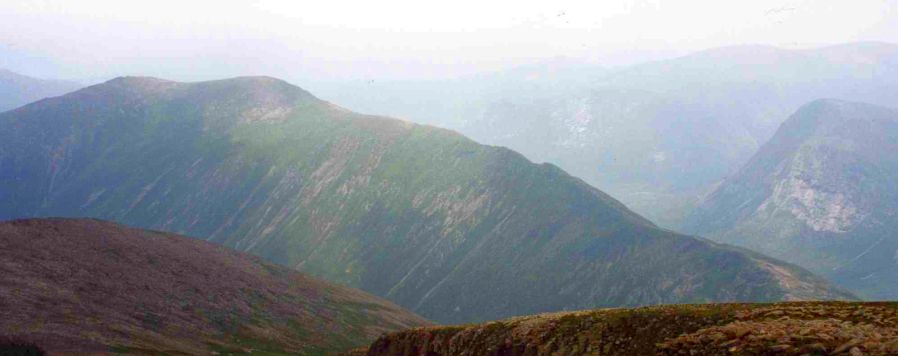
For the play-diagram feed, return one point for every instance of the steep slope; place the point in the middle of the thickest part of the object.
(453, 230)
(17, 90)
(93, 286)
(820, 194)
(721, 329)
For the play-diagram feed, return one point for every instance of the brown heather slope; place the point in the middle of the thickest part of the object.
(88, 285)
(800, 328)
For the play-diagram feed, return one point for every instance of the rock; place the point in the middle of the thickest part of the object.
(781, 348)
(846, 346)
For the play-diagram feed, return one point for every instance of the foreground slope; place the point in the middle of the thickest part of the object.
(820, 194)
(17, 90)
(88, 285)
(425, 217)
(806, 328)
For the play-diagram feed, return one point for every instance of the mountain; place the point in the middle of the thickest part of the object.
(17, 90)
(450, 103)
(657, 154)
(79, 285)
(717, 329)
(655, 135)
(820, 194)
(451, 229)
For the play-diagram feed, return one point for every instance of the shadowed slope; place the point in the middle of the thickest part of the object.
(88, 285)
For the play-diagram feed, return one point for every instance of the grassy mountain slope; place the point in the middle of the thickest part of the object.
(716, 329)
(17, 90)
(820, 194)
(74, 285)
(425, 217)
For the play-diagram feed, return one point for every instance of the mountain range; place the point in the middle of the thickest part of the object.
(451, 229)
(821, 193)
(17, 90)
(83, 286)
(655, 135)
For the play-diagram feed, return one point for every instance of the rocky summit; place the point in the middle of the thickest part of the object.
(805, 328)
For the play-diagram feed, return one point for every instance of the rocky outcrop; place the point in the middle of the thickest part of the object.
(716, 329)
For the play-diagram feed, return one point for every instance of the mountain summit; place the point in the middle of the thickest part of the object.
(425, 217)
(820, 194)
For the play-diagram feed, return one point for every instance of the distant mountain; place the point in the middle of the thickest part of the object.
(93, 286)
(451, 103)
(425, 217)
(656, 135)
(17, 90)
(820, 194)
(725, 329)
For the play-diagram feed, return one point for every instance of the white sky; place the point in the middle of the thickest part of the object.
(402, 39)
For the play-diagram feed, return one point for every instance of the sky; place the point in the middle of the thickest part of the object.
(340, 40)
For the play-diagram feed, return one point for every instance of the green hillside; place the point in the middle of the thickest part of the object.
(451, 229)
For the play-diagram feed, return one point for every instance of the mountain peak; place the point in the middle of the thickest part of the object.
(134, 85)
(819, 194)
(827, 111)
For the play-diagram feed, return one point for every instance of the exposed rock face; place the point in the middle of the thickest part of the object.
(820, 194)
(77, 285)
(425, 217)
(722, 329)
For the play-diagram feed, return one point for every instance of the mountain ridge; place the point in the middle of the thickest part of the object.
(420, 215)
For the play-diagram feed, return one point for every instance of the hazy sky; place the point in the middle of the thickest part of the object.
(193, 40)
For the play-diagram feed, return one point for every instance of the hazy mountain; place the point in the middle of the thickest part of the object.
(807, 328)
(655, 135)
(450, 103)
(820, 194)
(656, 153)
(451, 229)
(93, 286)
(17, 90)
